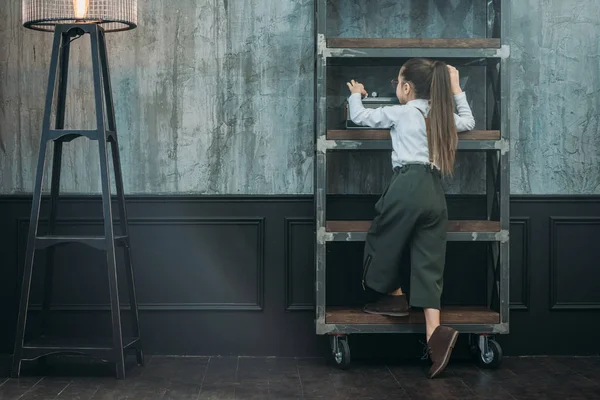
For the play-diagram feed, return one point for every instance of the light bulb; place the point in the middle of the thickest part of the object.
(80, 8)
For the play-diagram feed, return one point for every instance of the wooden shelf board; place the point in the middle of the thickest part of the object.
(453, 226)
(384, 134)
(449, 315)
(435, 43)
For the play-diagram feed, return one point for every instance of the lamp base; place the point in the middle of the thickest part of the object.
(114, 348)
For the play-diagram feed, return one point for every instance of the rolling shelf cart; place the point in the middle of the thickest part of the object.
(491, 53)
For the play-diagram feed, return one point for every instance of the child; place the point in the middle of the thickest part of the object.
(412, 210)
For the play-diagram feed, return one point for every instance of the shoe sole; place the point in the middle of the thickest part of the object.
(446, 356)
(387, 314)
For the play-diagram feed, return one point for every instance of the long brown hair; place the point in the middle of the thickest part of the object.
(431, 80)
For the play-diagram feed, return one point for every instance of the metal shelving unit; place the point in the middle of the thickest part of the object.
(492, 53)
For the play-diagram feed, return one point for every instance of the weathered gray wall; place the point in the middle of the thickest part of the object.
(216, 96)
(211, 97)
(556, 97)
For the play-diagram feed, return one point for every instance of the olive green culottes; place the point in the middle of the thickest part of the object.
(411, 212)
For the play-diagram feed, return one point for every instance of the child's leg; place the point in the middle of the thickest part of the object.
(388, 235)
(432, 321)
(428, 254)
(390, 232)
(383, 252)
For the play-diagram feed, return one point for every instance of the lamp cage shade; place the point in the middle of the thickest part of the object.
(112, 15)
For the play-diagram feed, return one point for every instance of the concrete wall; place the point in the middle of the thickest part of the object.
(217, 96)
(555, 90)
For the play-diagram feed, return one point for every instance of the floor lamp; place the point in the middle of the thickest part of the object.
(70, 20)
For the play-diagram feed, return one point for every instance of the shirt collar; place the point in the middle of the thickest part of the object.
(421, 104)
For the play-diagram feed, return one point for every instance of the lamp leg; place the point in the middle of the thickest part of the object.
(115, 306)
(114, 142)
(63, 69)
(35, 212)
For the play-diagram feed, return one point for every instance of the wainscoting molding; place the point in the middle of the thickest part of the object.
(299, 264)
(574, 261)
(234, 275)
(87, 225)
(519, 262)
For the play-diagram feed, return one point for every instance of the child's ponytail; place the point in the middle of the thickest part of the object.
(442, 135)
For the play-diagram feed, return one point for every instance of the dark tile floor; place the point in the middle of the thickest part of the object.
(282, 378)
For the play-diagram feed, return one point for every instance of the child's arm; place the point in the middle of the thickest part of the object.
(372, 117)
(464, 119)
(381, 117)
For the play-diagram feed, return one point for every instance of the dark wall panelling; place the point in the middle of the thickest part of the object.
(574, 264)
(299, 264)
(463, 260)
(209, 272)
(540, 329)
(519, 263)
(183, 265)
(235, 275)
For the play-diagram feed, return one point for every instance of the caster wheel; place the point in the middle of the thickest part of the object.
(493, 357)
(341, 352)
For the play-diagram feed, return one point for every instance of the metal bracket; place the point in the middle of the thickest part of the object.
(503, 52)
(326, 52)
(321, 45)
(503, 146)
(323, 144)
(502, 328)
(325, 329)
(503, 236)
(323, 236)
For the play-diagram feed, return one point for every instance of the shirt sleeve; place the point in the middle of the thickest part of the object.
(464, 119)
(382, 117)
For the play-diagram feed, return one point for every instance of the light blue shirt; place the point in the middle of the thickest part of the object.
(407, 125)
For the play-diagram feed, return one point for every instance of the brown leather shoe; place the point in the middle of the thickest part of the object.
(393, 306)
(440, 347)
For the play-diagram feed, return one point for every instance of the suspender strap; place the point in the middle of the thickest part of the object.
(428, 130)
